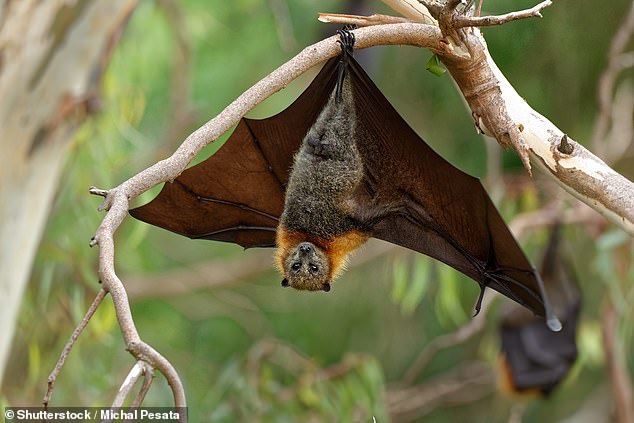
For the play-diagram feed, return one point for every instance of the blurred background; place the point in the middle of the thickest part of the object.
(248, 350)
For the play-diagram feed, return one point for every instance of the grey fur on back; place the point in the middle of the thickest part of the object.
(326, 170)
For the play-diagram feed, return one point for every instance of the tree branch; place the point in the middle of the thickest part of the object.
(148, 377)
(139, 349)
(461, 21)
(126, 387)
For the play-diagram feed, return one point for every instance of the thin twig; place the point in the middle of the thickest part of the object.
(126, 387)
(463, 21)
(52, 378)
(148, 378)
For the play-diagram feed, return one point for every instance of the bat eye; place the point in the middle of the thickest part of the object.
(313, 268)
(296, 266)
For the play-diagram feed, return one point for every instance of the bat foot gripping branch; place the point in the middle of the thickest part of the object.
(346, 41)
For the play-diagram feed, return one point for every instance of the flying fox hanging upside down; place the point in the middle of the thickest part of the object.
(322, 223)
(534, 360)
(357, 170)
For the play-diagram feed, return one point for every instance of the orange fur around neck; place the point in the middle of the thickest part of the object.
(337, 249)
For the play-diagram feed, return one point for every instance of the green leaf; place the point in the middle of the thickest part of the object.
(448, 305)
(399, 278)
(418, 285)
(434, 66)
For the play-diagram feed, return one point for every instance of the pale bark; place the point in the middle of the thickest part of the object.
(51, 56)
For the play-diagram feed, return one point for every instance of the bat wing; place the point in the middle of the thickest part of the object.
(237, 195)
(534, 357)
(429, 206)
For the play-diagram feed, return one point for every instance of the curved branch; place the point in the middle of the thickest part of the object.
(119, 204)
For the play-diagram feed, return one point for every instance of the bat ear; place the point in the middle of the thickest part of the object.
(325, 287)
(285, 283)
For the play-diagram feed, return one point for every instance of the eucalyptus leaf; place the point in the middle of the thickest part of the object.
(434, 66)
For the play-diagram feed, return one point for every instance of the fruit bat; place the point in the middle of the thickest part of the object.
(534, 359)
(397, 189)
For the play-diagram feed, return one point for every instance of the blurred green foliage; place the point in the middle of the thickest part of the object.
(251, 351)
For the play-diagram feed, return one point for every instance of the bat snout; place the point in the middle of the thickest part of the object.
(305, 248)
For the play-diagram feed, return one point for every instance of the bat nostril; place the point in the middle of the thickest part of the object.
(305, 248)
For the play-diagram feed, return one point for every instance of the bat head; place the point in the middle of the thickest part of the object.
(306, 267)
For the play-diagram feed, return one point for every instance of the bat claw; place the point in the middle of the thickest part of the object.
(478, 305)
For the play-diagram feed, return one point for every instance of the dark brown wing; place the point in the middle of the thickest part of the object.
(534, 357)
(237, 195)
(438, 210)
